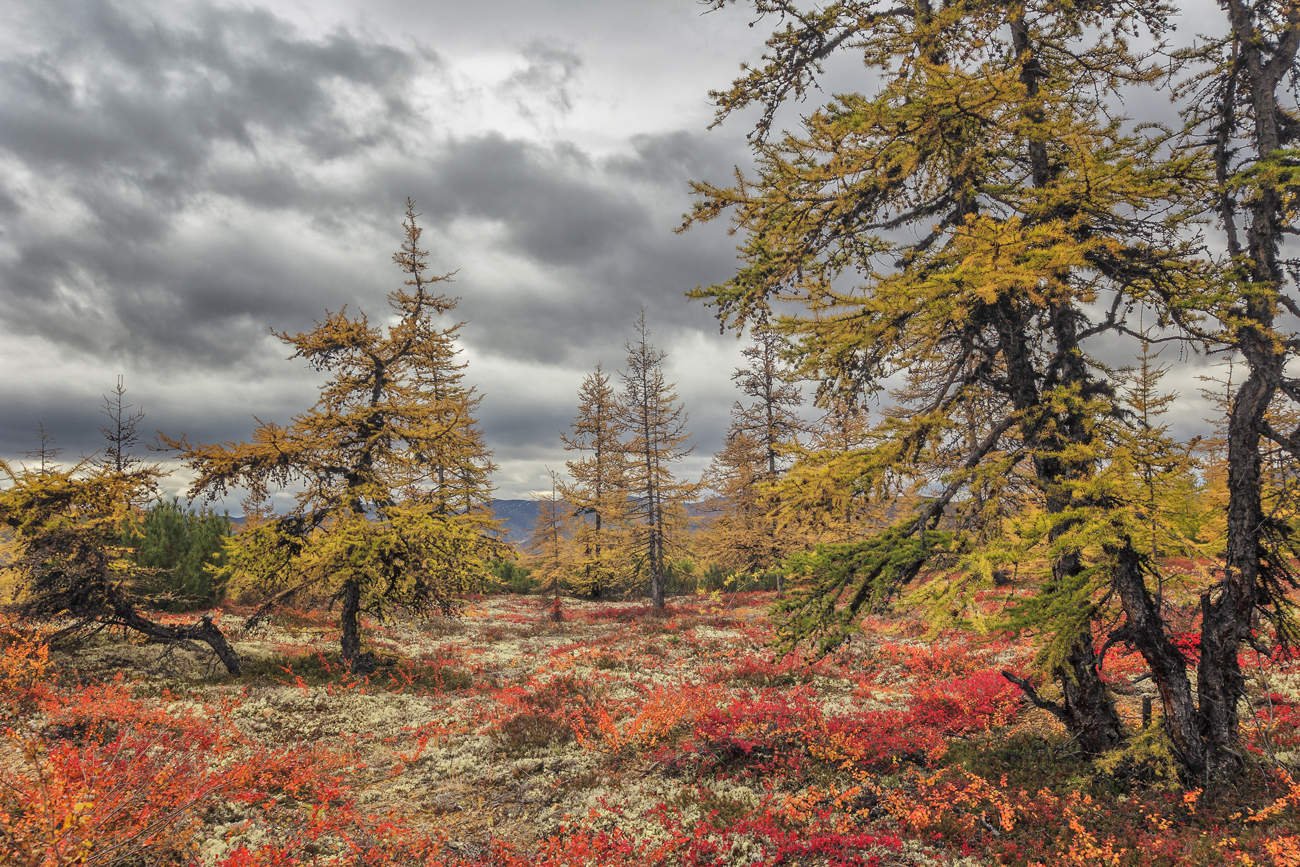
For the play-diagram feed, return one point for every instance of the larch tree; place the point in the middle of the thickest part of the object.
(741, 538)
(46, 453)
(121, 439)
(121, 433)
(968, 226)
(654, 422)
(1244, 111)
(1241, 112)
(770, 413)
(72, 540)
(746, 538)
(1162, 469)
(597, 490)
(66, 527)
(550, 543)
(389, 468)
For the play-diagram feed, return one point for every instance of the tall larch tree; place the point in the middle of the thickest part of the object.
(740, 535)
(121, 433)
(654, 422)
(746, 537)
(1163, 470)
(597, 487)
(1242, 110)
(770, 411)
(121, 430)
(388, 465)
(959, 226)
(46, 453)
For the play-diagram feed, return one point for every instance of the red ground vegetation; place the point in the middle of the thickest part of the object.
(611, 737)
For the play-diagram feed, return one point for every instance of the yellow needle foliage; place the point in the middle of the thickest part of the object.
(597, 493)
(389, 469)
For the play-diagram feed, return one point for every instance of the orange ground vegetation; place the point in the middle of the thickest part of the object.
(611, 737)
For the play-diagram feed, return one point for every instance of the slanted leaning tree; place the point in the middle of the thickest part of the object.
(597, 490)
(64, 543)
(968, 226)
(389, 468)
(655, 425)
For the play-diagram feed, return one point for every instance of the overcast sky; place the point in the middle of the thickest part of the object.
(178, 177)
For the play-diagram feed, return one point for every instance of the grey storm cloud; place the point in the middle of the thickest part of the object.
(555, 211)
(175, 180)
(148, 101)
(120, 125)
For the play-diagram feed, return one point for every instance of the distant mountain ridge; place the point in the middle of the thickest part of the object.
(519, 517)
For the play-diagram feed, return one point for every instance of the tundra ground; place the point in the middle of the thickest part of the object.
(609, 736)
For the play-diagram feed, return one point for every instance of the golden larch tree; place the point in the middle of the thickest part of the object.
(389, 469)
(654, 422)
(551, 544)
(63, 543)
(967, 225)
(597, 488)
(746, 537)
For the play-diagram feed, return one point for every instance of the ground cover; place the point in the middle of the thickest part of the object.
(611, 736)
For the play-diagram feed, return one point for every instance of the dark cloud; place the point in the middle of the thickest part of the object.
(671, 159)
(554, 208)
(176, 179)
(148, 100)
(137, 127)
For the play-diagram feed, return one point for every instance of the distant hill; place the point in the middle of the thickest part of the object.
(518, 517)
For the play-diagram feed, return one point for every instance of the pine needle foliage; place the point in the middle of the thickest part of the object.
(965, 228)
(654, 422)
(597, 490)
(389, 467)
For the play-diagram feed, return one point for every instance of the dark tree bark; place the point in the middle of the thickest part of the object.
(72, 578)
(1145, 630)
(1250, 126)
(1090, 712)
(205, 631)
(350, 628)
